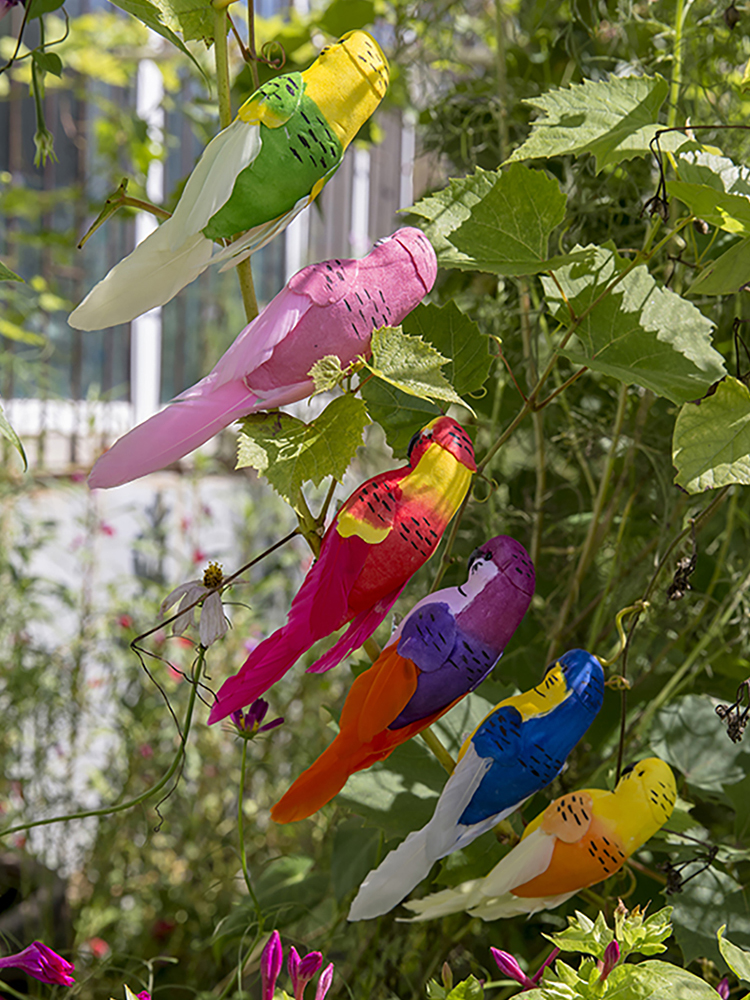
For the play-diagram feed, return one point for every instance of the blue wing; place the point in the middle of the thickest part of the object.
(428, 636)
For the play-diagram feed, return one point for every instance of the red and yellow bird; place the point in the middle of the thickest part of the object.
(379, 538)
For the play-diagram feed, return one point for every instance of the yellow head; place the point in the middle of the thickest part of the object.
(347, 81)
(651, 783)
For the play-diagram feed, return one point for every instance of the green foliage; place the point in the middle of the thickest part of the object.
(738, 959)
(456, 337)
(290, 453)
(711, 445)
(411, 365)
(633, 329)
(614, 120)
(7, 275)
(9, 434)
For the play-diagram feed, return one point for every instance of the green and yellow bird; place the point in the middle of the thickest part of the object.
(580, 839)
(253, 178)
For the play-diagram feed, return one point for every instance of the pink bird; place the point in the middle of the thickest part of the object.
(327, 308)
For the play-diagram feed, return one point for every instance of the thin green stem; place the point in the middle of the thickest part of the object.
(241, 835)
(676, 81)
(251, 42)
(150, 792)
(247, 287)
(438, 749)
(221, 54)
(502, 78)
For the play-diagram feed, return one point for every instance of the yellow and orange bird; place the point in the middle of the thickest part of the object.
(254, 177)
(580, 839)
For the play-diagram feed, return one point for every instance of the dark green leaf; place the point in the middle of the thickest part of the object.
(345, 15)
(355, 853)
(711, 445)
(290, 453)
(400, 415)
(614, 120)
(508, 231)
(39, 7)
(640, 332)
(706, 902)
(456, 337)
(688, 735)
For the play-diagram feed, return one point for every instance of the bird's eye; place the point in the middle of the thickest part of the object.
(476, 557)
(627, 770)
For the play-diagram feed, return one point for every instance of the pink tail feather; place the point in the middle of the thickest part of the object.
(185, 424)
(360, 629)
(267, 664)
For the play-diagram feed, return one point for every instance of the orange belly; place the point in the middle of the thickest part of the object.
(576, 866)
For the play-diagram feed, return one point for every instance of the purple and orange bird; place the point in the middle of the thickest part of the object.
(327, 308)
(380, 537)
(444, 648)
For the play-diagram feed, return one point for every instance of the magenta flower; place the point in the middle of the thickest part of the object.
(301, 970)
(144, 995)
(611, 958)
(270, 965)
(723, 989)
(42, 963)
(249, 724)
(324, 983)
(5, 6)
(509, 967)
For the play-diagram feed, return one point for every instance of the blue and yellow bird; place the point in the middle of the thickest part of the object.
(578, 840)
(514, 752)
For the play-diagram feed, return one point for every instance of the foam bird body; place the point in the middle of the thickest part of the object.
(327, 308)
(379, 538)
(579, 839)
(254, 177)
(443, 649)
(517, 749)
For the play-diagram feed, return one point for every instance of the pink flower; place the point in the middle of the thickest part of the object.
(611, 958)
(301, 970)
(510, 968)
(107, 529)
(125, 621)
(144, 995)
(723, 989)
(324, 983)
(98, 947)
(42, 963)
(270, 965)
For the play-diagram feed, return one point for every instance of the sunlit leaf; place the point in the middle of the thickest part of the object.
(706, 902)
(508, 231)
(614, 120)
(289, 452)
(326, 373)
(738, 959)
(446, 210)
(411, 365)
(711, 444)
(7, 275)
(641, 333)
(150, 15)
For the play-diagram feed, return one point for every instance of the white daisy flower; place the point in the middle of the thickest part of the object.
(213, 623)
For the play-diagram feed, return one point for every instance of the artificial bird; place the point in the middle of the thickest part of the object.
(253, 178)
(515, 751)
(331, 308)
(379, 538)
(443, 649)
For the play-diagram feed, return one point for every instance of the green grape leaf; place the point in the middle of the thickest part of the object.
(458, 338)
(446, 210)
(614, 120)
(469, 989)
(39, 7)
(7, 275)
(711, 443)
(411, 365)
(643, 936)
(640, 332)
(687, 734)
(738, 959)
(326, 373)
(289, 452)
(508, 231)
(715, 189)
(725, 275)
(9, 434)
(708, 901)
(398, 413)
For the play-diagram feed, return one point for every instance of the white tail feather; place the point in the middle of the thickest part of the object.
(387, 885)
(529, 858)
(511, 906)
(440, 904)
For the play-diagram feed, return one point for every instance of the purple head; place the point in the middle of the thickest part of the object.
(500, 587)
